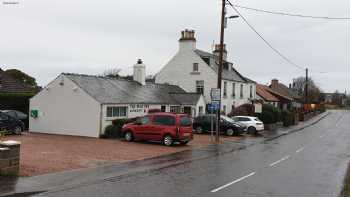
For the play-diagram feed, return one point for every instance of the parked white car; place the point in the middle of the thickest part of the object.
(254, 125)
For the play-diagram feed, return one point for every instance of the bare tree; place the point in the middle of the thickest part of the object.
(313, 92)
(112, 73)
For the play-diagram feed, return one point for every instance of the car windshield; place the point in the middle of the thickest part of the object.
(226, 118)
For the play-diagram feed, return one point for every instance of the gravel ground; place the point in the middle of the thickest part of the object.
(43, 153)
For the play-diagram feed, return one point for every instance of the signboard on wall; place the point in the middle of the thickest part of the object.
(138, 108)
(258, 108)
(215, 94)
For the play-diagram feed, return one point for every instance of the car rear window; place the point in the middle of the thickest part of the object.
(185, 121)
(164, 120)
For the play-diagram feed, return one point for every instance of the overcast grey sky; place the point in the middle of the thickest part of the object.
(44, 38)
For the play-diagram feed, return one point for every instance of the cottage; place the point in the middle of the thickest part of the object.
(264, 94)
(83, 105)
(195, 70)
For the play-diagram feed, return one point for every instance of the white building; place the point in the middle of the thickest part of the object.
(195, 70)
(84, 105)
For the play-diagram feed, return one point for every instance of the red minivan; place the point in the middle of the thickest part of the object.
(163, 127)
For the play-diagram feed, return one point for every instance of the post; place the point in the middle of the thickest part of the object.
(222, 33)
(307, 86)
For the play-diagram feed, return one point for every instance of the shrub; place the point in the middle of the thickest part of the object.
(270, 114)
(114, 130)
(267, 117)
(287, 118)
(243, 110)
(111, 131)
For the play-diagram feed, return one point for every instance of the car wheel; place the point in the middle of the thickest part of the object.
(230, 132)
(129, 136)
(199, 130)
(17, 130)
(252, 131)
(168, 140)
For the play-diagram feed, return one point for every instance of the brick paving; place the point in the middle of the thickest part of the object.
(43, 153)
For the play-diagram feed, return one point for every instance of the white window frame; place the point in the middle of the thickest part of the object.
(116, 112)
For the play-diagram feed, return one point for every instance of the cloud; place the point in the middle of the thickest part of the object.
(45, 38)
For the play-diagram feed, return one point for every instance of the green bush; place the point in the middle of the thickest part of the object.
(267, 117)
(288, 118)
(270, 114)
(111, 131)
(114, 131)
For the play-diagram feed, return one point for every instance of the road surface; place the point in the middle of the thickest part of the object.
(308, 163)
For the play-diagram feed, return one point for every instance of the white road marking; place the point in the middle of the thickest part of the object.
(299, 150)
(340, 119)
(233, 182)
(279, 161)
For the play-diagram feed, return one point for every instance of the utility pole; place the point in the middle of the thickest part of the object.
(307, 86)
(222, 34)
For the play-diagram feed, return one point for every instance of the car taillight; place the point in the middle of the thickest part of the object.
(258, 123)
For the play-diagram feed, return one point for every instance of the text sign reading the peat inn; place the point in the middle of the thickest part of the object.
(215, 94)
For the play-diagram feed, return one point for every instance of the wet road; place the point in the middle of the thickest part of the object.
(308, 163)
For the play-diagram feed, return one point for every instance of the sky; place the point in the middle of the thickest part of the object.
(45, 38)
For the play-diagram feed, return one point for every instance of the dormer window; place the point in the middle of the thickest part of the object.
(195, 67)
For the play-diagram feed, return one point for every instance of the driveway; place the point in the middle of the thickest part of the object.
(43, 153)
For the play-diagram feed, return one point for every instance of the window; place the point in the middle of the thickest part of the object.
(175, 109)
(143, 120)
(185, 121)
(163, 108)
(241, 91)
(200, 87)
(3, 117)
(251, 92)
(200, 110)
(116, 111)
(233, 90)
(225, 89)
(195, 67)
(164, 120)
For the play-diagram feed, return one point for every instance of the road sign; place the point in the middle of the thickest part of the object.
(215, 94)
(213, 106)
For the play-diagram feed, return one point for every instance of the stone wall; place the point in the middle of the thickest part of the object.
(9, 158)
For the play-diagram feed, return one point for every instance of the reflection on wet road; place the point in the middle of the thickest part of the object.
(311, 162)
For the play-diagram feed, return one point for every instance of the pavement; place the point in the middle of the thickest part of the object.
(305, 160)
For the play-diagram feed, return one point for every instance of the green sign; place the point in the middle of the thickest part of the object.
(34, 113)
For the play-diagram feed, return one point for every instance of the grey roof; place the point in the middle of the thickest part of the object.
(117, 91)
(186, 98)
(232, 75)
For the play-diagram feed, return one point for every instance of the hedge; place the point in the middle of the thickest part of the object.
(114, 130)
(288, 118)
(270, 114)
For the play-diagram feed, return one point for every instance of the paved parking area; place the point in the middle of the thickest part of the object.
(43, 153)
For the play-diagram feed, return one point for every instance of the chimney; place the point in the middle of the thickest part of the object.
(217, 51)
(140, 72)
(274, 84)
(187, 40)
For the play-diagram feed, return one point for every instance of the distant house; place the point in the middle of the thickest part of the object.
(83, 105)
(195, 70)
(290, 96)
(334, 98)
(264, 94)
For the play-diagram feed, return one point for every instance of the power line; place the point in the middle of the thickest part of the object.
(265, 41)
(290, 14)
